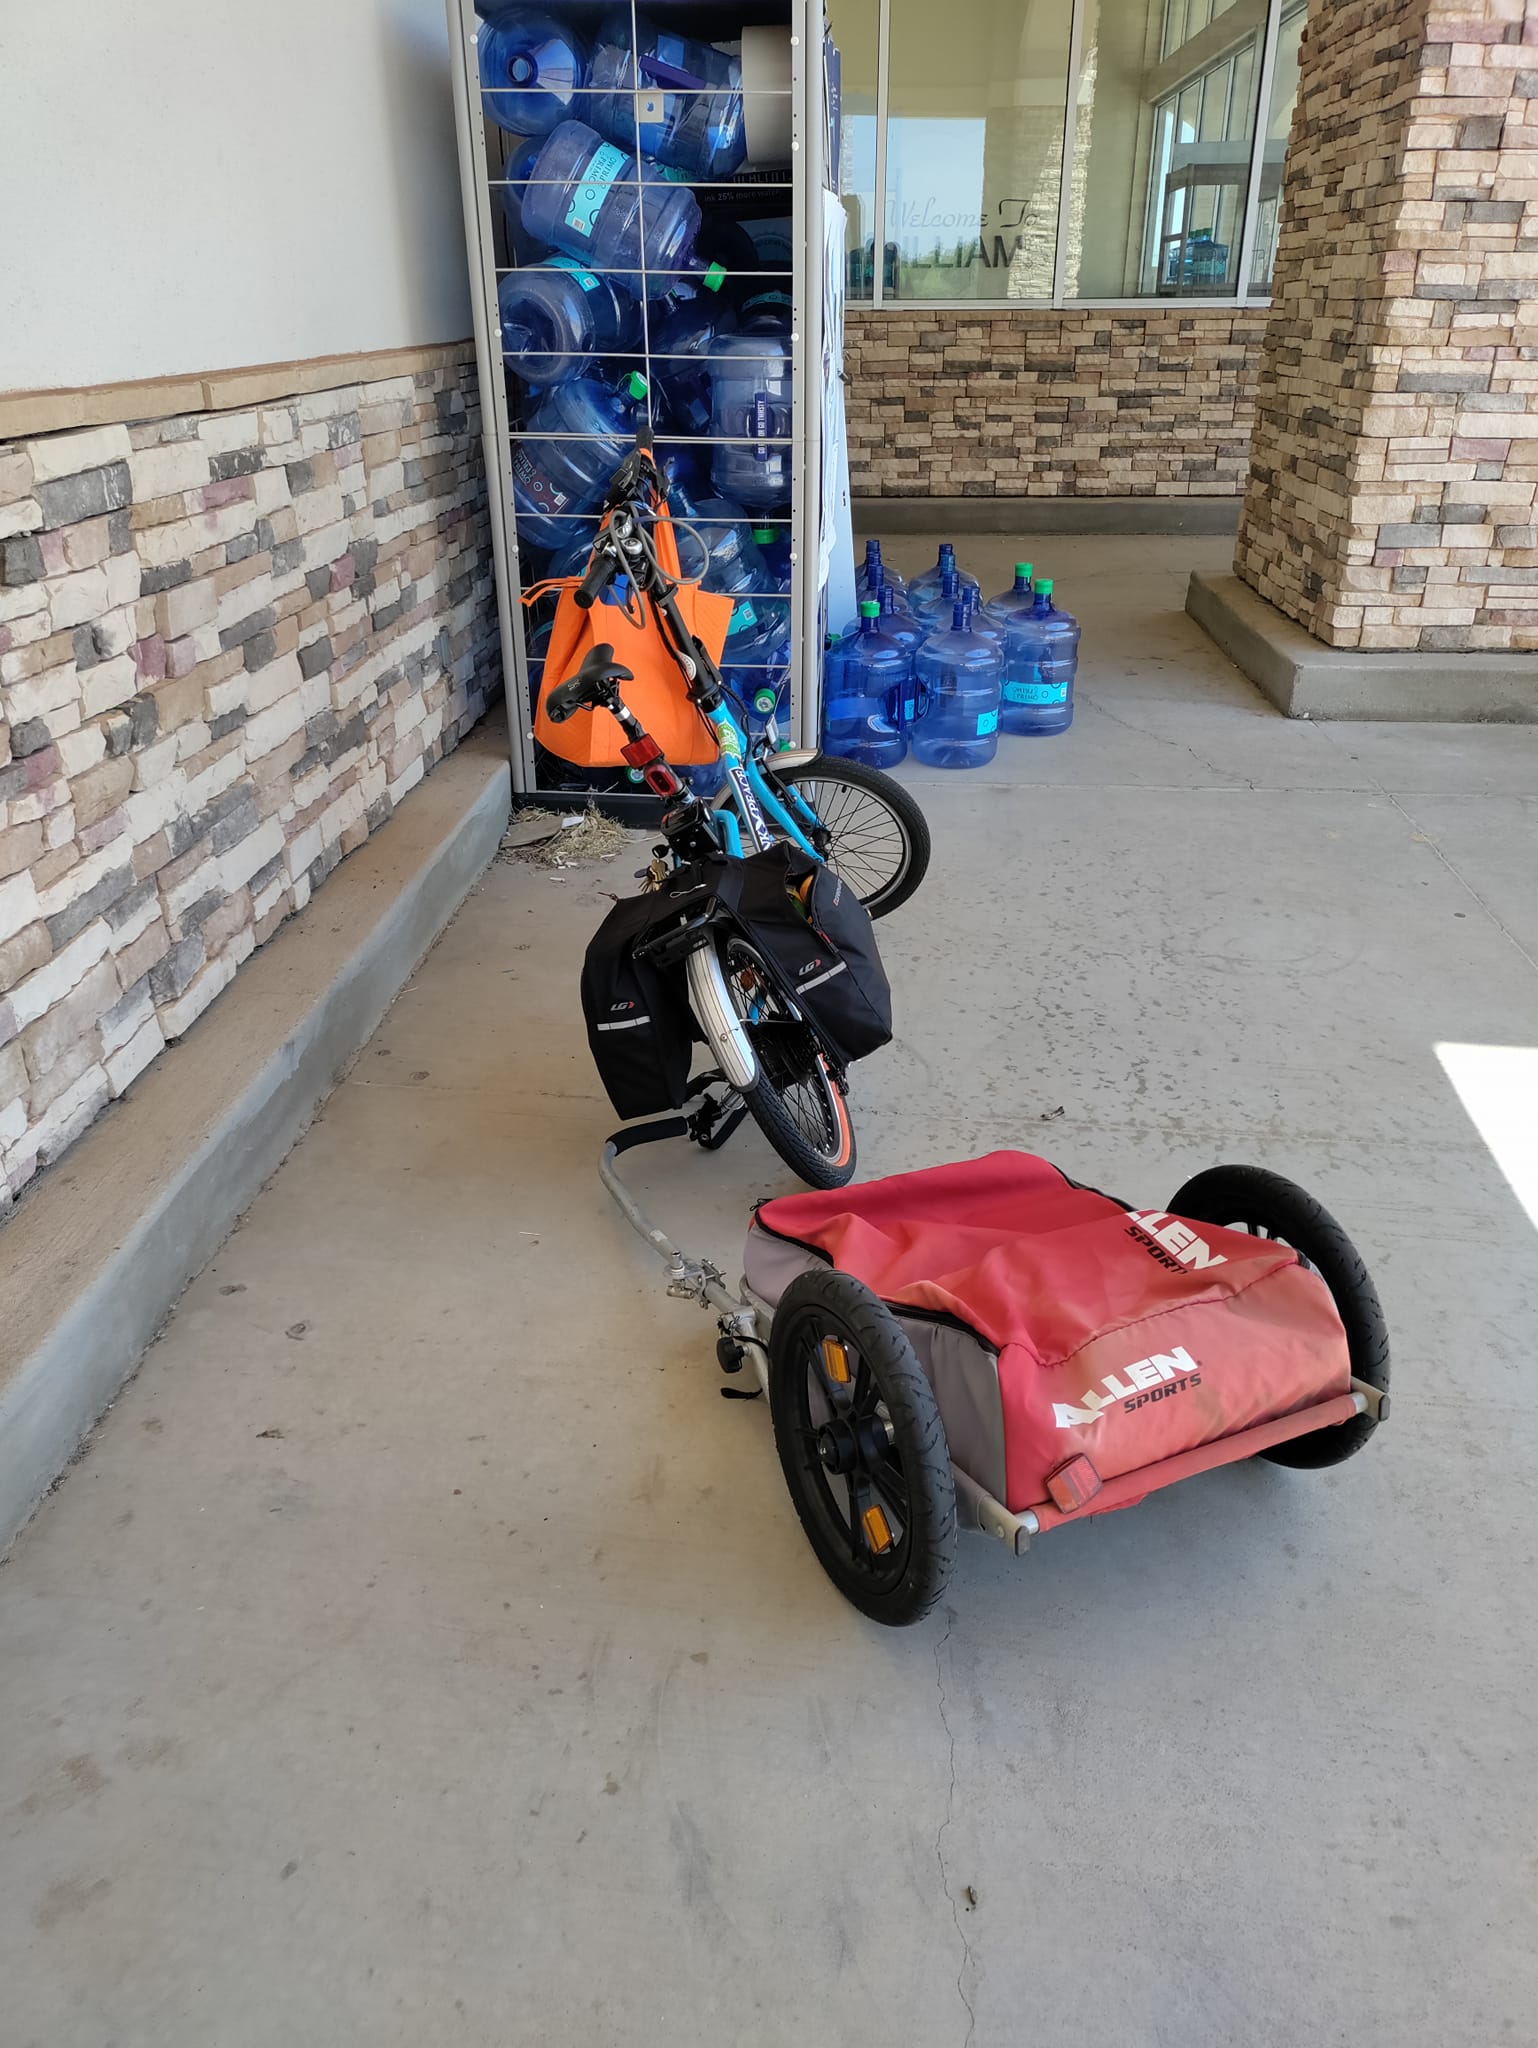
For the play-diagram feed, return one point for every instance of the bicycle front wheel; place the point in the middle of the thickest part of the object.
(796, 1100)
(869, 830)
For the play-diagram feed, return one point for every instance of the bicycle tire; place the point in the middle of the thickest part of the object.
(792, 1070)
(1251, 1198)
(912, 1478)
(859, 863)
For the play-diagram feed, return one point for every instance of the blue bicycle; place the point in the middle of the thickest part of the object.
(857, 821)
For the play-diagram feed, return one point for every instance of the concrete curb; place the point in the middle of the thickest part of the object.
(1307, 680)
(1046, 515)
(93, 1259)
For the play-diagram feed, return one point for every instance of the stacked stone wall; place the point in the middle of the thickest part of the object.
(1094, 404)
(230, 643)
(1393, 499)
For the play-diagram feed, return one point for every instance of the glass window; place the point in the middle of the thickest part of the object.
(1284, 97)
(1162, 147)
(977, 102)
(975, 111)
(856, 25)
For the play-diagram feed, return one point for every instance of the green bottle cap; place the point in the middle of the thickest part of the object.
(1044, 586)
(870, 608)
(1023, 571)
(764, 535)
(637, 385)
(714, 277)
(765, 701)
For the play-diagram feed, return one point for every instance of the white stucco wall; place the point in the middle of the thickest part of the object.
(197, 185)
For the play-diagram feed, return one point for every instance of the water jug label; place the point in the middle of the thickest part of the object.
(1036, 693)
(743, 616)
(987, 722)
(585, 278)
(762, 422)
(603, 167)
(539, 490)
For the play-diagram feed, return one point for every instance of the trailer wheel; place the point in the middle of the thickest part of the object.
(1264, 1204)
(862, 1447)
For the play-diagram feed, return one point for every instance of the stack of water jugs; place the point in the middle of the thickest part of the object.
(929, 665)
(631, 305)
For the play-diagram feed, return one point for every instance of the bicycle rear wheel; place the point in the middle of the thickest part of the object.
(871, 831)
(796, 1101)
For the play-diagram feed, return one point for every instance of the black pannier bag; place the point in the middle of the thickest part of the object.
(816, 938)
(638, 1020)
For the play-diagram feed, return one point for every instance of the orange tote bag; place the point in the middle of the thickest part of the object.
(659, 696)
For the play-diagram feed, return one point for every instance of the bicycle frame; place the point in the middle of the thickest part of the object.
(748, 787)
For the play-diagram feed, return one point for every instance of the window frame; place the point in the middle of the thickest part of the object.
(1060, 300)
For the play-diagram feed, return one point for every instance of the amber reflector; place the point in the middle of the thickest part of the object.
(835, 1361)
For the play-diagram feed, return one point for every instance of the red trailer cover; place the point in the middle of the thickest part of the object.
(1122, 1335)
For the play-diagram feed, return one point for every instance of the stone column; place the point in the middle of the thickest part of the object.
(1393, 494)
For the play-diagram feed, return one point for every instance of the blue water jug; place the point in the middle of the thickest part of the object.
(584, 198)
(924, 591)
(557, 477)
(682, 344)
(767, 696)
(736, 567)
(773, 543)
(873, 572)
(757, 652)
(979, 622)
(750, 413)
(576, 548)
(1041, 659)
(933, 608)
(1202, 267)
(1018, 598)
(725, 241)
(689, 538)
(532, 70)
(899, 624)
(556, 317)
(958, 675)
(868, 689)
(676, 99)
(526, 248)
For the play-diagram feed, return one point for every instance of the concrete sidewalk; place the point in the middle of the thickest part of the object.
(423, 1653)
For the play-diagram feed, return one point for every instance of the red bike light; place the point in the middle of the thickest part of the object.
(646, 755)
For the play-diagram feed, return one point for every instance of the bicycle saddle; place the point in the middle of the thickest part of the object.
(593, 684)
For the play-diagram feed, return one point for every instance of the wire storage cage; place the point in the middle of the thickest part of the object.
(643, 188)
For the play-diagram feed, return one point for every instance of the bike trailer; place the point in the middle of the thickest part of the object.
(1080, 1353)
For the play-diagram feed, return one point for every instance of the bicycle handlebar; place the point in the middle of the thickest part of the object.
(601, 572)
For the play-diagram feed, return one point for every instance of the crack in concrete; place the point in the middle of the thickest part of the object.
(950, 1810)
(1488, 909)
(1161, 740)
